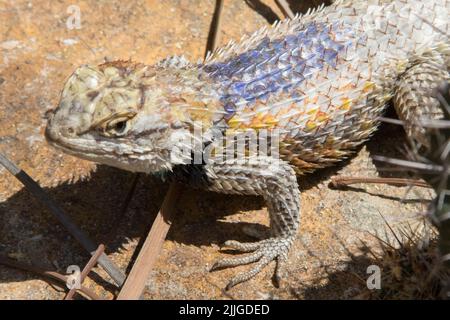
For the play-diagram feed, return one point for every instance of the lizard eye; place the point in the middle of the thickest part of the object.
(118, 127)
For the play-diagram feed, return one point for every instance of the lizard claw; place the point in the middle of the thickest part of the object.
(263, 252)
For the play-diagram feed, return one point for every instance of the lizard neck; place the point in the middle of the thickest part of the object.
(192, 96)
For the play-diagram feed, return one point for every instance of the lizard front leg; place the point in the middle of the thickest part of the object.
(273, 179)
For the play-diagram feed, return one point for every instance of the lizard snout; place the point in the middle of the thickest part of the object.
(61, 126)
(54, 132)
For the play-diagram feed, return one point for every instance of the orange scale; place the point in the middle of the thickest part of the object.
(346, 103)
(310, 125)
(321, 116)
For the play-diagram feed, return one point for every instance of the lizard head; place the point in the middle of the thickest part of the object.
(122, 114)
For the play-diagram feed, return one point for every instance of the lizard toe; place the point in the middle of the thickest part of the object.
(279, 271)
(242, 246)
(265, 251)
(234, 262)
(249, 274)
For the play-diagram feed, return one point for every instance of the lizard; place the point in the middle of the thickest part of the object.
(320, 80)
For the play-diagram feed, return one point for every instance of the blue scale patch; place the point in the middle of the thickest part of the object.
(279, 64)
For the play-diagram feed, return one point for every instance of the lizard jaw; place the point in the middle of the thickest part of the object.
(104, 151)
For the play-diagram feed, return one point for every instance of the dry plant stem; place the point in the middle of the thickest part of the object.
(216, 27)
(34, 188)
(136, 280)
(87, 268)
(284, 7)
(339, 182)
(60, 278)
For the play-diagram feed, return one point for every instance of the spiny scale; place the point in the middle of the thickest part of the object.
(322, 77)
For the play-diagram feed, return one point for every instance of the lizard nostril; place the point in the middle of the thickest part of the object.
(70, 130)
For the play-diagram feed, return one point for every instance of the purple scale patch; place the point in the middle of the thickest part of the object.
(279, 64)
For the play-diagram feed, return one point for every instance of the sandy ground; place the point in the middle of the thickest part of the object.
(38, 52)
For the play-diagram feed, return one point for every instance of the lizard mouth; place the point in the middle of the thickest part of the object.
(83, 145)
(77, 147)
(65, 135)
(89, 146)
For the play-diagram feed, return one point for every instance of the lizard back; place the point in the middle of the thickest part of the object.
(323, 79)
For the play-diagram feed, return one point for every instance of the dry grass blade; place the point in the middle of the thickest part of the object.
(411, 271)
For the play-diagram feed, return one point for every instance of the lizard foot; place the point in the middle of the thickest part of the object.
(262, 252)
